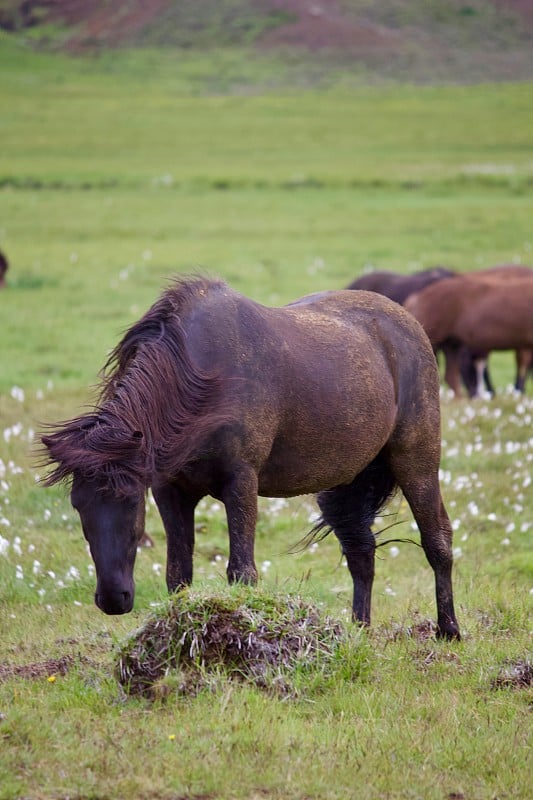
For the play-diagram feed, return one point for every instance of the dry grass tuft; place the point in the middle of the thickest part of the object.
(243, 635)
(515, 675)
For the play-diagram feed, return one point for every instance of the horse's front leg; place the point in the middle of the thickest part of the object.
(239, 496)
(177, 512)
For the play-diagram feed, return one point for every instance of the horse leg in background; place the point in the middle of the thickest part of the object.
(524, 365)
(474, 372)
(143, 538)
(177, 512)
(349, 512)
(452, 370)
(480, 364)
(239, 496)
(487, 380)
(468, 371)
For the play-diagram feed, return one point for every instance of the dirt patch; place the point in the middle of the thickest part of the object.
(38, 669)
(524, 8)
(323, 24)
(421, 630)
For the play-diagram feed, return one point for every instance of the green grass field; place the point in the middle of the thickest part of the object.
(115, 174)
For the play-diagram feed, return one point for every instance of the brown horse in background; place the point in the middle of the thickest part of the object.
(213, 394)
(523, 356)
(488, 310)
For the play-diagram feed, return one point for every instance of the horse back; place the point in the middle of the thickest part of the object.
(490, 313)
(332, 362)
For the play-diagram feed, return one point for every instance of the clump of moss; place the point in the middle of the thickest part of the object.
(278, 643)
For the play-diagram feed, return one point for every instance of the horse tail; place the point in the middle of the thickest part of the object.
(350, 510)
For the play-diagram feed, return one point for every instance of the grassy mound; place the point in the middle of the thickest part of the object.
(278, 643)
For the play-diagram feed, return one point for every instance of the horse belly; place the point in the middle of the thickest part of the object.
(495, 329)
(316, 452)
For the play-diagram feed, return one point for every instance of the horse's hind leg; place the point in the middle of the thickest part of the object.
(357, 543)
(422, 492)
(350, 511)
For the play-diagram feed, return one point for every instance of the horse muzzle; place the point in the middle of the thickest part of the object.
(114, 602)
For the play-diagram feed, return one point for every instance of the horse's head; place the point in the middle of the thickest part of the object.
(104, 460)
(113, 526)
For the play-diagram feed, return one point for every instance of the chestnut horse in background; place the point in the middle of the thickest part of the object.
(486, 310)
(211, 393)
(399, 287)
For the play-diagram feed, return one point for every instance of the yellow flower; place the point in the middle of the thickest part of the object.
(51, 678)
(172, 736)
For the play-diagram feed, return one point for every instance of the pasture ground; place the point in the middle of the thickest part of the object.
(118, 172)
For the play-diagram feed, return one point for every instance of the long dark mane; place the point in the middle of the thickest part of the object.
(155, 407)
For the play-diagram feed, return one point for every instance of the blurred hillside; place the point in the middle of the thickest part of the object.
(422, 41)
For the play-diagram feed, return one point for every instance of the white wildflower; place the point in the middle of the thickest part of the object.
(17, 394)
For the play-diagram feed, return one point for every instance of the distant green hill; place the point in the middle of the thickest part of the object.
(423, 41)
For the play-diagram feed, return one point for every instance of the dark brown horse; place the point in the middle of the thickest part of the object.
(3, 269)
(483, 311)
(399, 287)
(213, 394)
